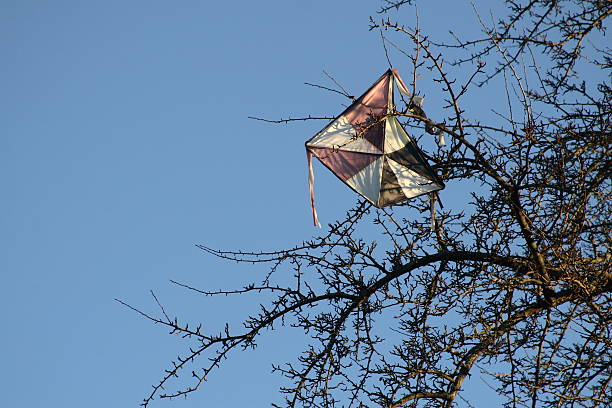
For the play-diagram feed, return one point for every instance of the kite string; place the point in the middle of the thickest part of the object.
(385, 48)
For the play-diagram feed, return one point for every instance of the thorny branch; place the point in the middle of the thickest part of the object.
(517, 282)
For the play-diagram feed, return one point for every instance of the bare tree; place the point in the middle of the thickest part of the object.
(516, 286)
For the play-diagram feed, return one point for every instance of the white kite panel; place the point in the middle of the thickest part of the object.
(367, 181)
(341, 135)
(395, 135)
(412, 183)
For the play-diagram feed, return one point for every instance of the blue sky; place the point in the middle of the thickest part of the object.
(124, 141)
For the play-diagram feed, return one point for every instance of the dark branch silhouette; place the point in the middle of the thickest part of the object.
(516, 285)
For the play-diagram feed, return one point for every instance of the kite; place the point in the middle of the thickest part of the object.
(368, 149)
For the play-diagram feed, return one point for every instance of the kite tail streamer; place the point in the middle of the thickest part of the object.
(432, 204)
(315, 219)
(400, 84)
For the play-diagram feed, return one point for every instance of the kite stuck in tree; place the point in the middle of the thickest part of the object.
(368, 149)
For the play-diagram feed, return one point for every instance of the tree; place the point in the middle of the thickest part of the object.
(516, 286)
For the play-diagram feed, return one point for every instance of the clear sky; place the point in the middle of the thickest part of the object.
(124, 141)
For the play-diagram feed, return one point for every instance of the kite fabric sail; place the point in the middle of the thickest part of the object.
(368, 149)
